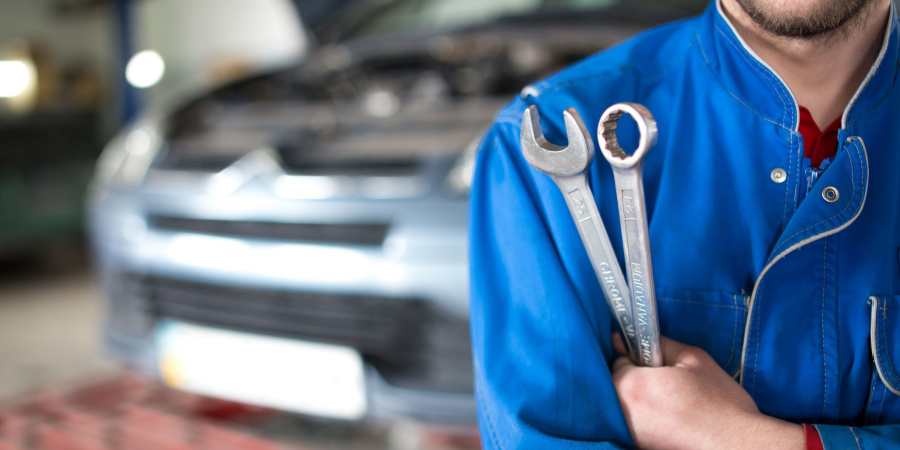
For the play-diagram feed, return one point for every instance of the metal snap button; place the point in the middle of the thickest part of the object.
(831, 194)
(779, 175)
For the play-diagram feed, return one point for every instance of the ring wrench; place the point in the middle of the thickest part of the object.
(628, 172)
(567, 167)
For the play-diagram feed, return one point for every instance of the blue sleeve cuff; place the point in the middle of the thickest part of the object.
(838, 437)
(869, 437)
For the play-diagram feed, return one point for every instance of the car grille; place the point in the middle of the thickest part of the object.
(296, 165)
(371, 234)
(410, 342)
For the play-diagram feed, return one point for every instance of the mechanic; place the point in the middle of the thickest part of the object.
(773, 199)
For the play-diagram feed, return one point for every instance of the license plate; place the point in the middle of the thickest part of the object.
(310, 378)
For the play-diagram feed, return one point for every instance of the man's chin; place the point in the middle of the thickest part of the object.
(823, 19)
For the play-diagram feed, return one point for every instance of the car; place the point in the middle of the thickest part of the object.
(298, 239)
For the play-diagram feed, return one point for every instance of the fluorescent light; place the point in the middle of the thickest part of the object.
(14, 78)
(145, 69)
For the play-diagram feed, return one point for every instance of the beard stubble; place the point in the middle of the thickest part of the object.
(823, 20)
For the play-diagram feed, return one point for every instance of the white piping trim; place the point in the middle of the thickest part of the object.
(791, 249)
(765, 64)
(872, 343)
(529, 90)
(884, 45)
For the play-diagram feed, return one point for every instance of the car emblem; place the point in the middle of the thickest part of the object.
(263, 162)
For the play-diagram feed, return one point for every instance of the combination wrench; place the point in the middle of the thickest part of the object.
(628, 172)
(567, 167)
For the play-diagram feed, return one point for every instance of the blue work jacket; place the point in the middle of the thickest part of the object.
(795, 294)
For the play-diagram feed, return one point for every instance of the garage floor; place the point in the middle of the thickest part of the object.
(50, 321)
(50, 318)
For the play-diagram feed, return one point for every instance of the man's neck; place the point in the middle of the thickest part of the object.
(823, 72)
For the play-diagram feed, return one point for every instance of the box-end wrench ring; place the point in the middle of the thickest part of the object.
(627, 171)
(567, 166)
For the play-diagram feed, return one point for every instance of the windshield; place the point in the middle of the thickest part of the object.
(436, 15)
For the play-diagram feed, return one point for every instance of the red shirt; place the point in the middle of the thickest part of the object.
(812, 438)
(818, 145)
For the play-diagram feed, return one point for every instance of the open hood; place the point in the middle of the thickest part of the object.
(335, 20)
(317, 15)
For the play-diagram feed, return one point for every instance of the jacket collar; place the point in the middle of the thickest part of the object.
(758, 87)
(881, 78)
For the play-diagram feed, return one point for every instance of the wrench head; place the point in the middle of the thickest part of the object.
(552, 159)
(609, 142)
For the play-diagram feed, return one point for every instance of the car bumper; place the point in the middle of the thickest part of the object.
(417, 358)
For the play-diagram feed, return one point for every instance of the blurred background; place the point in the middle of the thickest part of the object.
(242, 223)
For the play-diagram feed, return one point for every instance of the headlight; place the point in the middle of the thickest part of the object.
(128, 155)
(459, 180)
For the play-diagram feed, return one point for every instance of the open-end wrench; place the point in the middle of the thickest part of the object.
(627, 171)
(567, 167)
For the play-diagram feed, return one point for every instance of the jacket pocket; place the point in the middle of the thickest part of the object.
(883, 405)
(885, 339)
(711, 320)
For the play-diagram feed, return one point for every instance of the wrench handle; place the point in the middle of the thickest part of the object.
(628, 173)
(636, 238)
(583, 209)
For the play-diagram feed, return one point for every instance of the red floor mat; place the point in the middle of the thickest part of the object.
(130, 412)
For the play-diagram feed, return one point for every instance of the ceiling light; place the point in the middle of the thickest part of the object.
(14, 78)
(145, 69)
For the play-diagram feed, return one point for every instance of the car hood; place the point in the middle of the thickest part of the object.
(318, 15)
(387, 100)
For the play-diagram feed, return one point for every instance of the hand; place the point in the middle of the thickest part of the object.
(691, 403)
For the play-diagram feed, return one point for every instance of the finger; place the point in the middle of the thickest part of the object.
(620, 370)
(677, 354)
(618, 344)
(621, 363)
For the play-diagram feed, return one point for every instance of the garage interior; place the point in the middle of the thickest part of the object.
(65, 89)
(243, 223)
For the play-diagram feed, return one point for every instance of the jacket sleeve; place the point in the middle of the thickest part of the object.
(540, 330)
(871, 437)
